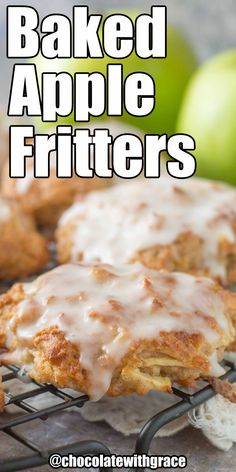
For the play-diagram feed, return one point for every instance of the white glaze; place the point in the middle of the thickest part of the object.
(111, 225)
(68, 297)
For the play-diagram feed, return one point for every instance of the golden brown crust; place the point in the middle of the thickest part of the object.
(22, 249)
(231, 302)
(227, 254)
(64, 237)
(56, 361)
(183, 255)
(224, 388)
(153, 364)
(46, 199)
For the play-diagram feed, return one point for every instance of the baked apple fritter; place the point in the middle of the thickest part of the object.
(105, 330)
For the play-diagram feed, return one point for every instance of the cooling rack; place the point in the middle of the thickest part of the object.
(28, 413)
(38, 456)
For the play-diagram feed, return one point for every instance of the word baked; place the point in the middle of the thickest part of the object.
(117, 37)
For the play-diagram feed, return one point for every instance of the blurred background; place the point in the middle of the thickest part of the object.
(209, 25)
(195, 93)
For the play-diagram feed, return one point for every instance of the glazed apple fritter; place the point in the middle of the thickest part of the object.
(100, 329)
(187, 226)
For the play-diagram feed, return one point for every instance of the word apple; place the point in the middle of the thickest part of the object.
(170, 74)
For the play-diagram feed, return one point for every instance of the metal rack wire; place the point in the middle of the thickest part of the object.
(38, 456)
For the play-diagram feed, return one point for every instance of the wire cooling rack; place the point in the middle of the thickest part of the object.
(27, 413)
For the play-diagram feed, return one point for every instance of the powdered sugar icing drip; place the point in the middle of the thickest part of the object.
(111, 225)
(105, 310)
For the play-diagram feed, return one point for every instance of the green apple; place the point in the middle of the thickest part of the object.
(171, 76)
(208, 114)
